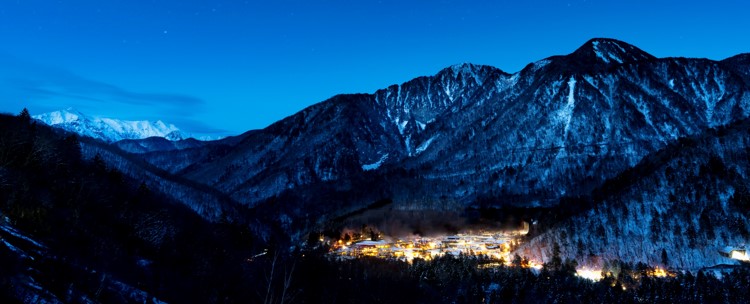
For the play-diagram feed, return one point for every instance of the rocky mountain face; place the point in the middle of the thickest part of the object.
(107, 129)
(560, 126)
(739, 64)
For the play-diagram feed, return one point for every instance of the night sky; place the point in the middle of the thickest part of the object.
(225, 67)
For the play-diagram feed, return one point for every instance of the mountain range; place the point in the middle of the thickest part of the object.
(556, 135)
(108, 129)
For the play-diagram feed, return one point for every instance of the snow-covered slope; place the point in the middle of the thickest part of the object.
(108, 129)
(687, 201)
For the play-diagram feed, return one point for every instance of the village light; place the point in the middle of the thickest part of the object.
(658, 272)
(589, 274)
(739, 255)
(485, 244)
(409, 255)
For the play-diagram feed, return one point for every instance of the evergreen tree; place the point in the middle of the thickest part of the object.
(741, 200)
(24, 115)
(692, 235)
(99, 164)
(556, 262)
(705, 225)
(517, 260)
(655, 226)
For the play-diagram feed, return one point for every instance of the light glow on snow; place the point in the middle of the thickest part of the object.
(737, 255)
(589, 274)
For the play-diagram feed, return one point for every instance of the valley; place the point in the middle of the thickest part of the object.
(607, 169)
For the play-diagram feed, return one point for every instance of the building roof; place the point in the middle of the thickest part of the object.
(729, 249)
(370, 243)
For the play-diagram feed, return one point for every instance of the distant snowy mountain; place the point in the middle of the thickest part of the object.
(108, 129)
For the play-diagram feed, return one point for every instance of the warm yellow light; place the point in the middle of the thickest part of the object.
(659, 272)
(590, 274)
(491, 245)
(737, 255)
(409, 255)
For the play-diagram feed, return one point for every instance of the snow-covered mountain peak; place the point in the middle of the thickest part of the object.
(611, 51)
(59, 117)
(599, 54)
(469, 70)
(109, 129)
(464, 68)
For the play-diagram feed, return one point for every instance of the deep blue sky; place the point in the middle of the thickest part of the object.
(231, 66)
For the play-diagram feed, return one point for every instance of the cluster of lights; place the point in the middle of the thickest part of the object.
(493, 245)
(659, 273)
(596, 274)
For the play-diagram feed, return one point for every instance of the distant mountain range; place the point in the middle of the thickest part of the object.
(109, 129)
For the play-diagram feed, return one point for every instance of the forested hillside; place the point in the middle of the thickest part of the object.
(79, 231)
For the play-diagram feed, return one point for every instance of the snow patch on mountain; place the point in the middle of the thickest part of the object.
(424, 145)
(375, 165)
(599, 52)
(607, 56)
(565, 115)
